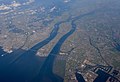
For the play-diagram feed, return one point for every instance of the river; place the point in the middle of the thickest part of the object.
(26, 67)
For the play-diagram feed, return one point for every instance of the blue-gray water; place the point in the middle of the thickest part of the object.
(26, 67)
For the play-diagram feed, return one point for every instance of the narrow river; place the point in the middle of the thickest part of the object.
(46, 73)
(26, 68)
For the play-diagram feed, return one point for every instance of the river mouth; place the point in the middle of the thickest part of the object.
(30, 62)
(64, 40)
(46, 68)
